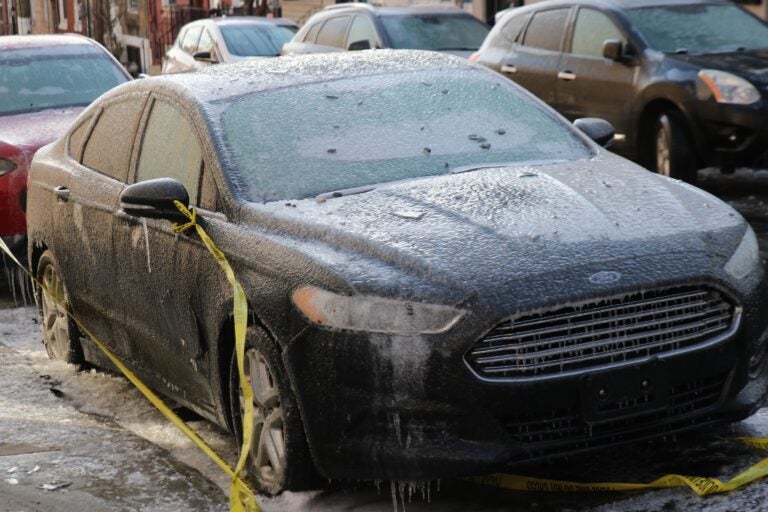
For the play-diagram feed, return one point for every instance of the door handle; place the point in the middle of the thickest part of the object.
(566, 75)
(509, 68)
(62, 193)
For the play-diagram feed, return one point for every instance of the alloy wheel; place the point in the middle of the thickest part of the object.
(663, 147)
(268, 442)
(56, 334)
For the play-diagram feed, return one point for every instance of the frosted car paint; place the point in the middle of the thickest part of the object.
(497, 242)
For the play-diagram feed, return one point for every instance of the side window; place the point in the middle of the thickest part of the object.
(591, 30)
(180, 37)
(361, 30)
(189, 43)
(170, 149)
(511, 30)
(206, 42)
(110, 145)
(546, 29)
(334, 32)
(77, 138)
(311, 34)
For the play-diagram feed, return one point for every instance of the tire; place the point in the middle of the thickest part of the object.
(279, 456)
(672, 154)
(60, 333)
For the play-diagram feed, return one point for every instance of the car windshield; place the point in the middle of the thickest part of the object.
(302, 141)
(699, 28)
(33, 79)
(260, 40)
(437, 32)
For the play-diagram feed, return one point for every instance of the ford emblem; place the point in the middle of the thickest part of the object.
(605, 277)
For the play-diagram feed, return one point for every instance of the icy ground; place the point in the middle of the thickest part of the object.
(72, 442)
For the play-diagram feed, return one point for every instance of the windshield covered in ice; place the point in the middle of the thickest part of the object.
(301, 141)
(33, 79)
(255, 40)
(437, 32)
(699, 28)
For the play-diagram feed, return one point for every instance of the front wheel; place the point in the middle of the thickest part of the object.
(279, 458)
(672, 151)
(60, 333)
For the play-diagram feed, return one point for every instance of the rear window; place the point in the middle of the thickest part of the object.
(437, 32)
(699, 28)
(255, 40)
(33, 79)
(322, 137)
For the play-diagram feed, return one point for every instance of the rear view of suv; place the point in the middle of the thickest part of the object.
(682, 81)
(358, 26)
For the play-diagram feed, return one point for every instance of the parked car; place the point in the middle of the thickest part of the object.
(682, 81)
(360, 26)
(444, 276)
(222, 39)
(45, 81)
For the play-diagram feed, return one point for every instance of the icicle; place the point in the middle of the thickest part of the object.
(394, 496)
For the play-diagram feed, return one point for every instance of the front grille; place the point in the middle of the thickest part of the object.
(564, 431)
(602, 333)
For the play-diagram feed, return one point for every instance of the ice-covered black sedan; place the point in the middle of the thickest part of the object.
(444, 276)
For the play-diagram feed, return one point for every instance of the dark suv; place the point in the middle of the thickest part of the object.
(683, 81)
(359, 26)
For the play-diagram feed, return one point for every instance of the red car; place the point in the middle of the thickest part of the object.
(45, 82)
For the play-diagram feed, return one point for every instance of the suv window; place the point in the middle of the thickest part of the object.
(170, 149)
(334, 32)
(591, 30)
(546, 29)
(77, 138)
(311, 34)
(362, 30)
(511, 30)
(206, 42)
(110, 145)
(189, 43)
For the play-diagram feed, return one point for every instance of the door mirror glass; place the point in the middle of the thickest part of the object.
(613, 49)
(599, 130)
(204, 57)
(359, 45)
(154, 199)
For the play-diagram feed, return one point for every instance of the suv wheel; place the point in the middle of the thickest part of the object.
(672, 155)
(60, 333)
(279, 455)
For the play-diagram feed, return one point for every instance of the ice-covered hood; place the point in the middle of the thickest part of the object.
(29, 132)
(506, 224)
(751, 64)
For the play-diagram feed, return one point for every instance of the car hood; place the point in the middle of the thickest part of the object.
(498, 228)
(29, 132)
(752, 64)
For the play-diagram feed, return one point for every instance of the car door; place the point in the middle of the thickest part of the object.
(589, 84)
(158, 269)
(88, 204)
(534, 63)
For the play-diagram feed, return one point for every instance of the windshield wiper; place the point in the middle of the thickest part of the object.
(456, 49)
(344, 192)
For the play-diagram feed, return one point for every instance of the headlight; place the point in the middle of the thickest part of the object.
(6, 166)
(746, 257)
(373, 314)
(729, 88)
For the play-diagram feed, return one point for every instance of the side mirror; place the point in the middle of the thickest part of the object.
(154, 199)
(613, 49)
(599, 130)
(363, 44)
(142, 76)
(204, 57)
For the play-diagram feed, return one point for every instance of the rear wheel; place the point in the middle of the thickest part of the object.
(279, 457)
(672, 151)
(60, 333)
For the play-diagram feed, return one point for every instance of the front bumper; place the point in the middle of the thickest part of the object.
(732, 135)
(409, 408)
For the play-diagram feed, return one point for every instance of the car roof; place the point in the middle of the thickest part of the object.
(225, 81)
(359, 6)
(616, 4)
(43, 40)
(244, 20)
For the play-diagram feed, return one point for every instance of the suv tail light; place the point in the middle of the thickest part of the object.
(474, 57)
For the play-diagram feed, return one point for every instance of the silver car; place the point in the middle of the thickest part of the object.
(217, 40)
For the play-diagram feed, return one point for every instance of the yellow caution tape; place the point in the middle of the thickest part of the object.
(702, 486)
(242, 498)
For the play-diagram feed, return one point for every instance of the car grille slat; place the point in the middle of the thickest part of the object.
(602, 333)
